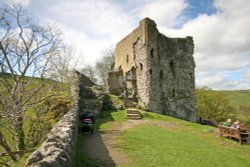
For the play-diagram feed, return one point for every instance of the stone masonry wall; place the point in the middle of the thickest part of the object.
(173, 78)
(158, 71)
(142, 80)
(115, 82)
(59, 148)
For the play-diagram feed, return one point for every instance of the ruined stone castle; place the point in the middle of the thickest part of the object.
(155, 71)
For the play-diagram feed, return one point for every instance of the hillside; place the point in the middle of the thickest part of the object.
(157, 140)
(240, 103)
(238, 97)
(237, 102)
(53, 101)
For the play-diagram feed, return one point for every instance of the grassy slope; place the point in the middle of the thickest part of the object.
(240, 101)
(54, 107)
(238, 97)
(184, 144)
(156, 146)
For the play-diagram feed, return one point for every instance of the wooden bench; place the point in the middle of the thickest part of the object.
(234, 133)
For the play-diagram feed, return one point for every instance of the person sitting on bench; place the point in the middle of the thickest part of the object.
(236, 124)
(228, 123)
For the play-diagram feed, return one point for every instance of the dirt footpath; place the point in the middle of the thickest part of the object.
(101, 147)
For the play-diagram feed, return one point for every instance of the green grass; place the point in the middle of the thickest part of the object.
(183, 144)
(104, 123)
(238, 97)
(21, 162)
(239, 100)
(50, 110)
(158, 146)
(79, 152)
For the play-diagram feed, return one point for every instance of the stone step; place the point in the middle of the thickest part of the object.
(135, 118)
(133, 114)
(132, 111)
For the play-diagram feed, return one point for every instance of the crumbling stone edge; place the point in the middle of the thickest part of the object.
(59, 148)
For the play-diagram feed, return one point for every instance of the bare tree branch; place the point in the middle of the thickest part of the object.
(105, 65)
(25, 50)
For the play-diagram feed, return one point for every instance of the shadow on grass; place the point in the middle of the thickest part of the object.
(91, 150)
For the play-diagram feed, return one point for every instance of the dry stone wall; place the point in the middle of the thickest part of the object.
(59, 148)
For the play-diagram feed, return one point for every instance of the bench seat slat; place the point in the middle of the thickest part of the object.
(230, 132)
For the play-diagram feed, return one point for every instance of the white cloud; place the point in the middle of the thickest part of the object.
(214, 81)
(221, 62)
(221, 39)
(247, 77)
(24, 3)
(86, 46)
(221, 43)
(164, 12)
(89, 26)
(98, 18)
(219, 81)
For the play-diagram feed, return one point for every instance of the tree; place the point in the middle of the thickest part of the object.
(25, 50)
(62, 64)
(105, 65)
(89, 72)
(212, 105)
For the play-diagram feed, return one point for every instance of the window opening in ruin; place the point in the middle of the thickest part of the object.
(127, 58)
(161, 74)
(173, 93)
(141, 66)
(152, 52)
(150, 71)
(171, 64)
(190, 76)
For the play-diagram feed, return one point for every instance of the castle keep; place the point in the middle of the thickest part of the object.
(155, 71)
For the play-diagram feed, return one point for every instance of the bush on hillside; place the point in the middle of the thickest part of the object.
(211, 105)
(44, 117)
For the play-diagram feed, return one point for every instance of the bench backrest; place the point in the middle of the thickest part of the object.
(229, 131)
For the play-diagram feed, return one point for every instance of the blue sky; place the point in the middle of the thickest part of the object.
(194, 9)
(220, 29)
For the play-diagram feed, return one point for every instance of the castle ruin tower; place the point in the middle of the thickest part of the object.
(155, 71)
